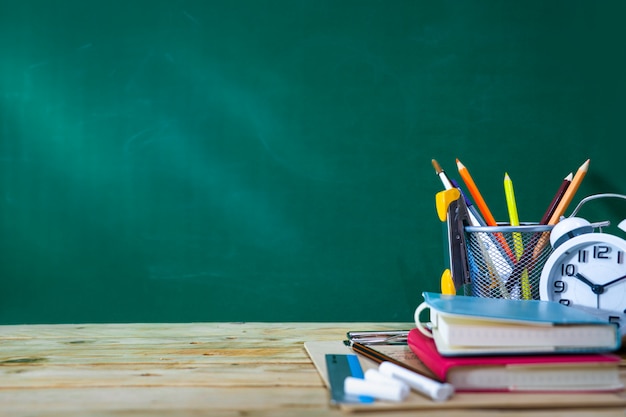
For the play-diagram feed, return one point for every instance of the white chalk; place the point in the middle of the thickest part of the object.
(378, 390)
(436, 390)
(374, 375)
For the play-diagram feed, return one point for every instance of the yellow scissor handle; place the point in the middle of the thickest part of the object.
(443, 200)
(447, 284)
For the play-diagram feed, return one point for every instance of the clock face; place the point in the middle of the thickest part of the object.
(589, 272)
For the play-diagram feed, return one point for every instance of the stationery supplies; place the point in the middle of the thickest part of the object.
(435, 390)
(489, 401)
(394, 354)
(371, 337)
(492, 278)
(482, 206)
(557, 198)
(501, 263)
(445, 180)
(531, 257)
(340, 367)
(568, 195)
(564, 202)
(518, 244)
(376, 390)
(377, 385)
(463, 325)
(390, 382)
(475, 193)
(452, 210)
(588, 372)
(448, 184)
(534, 255)
(417, 377)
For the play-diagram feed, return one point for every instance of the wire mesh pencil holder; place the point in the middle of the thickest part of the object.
(506, 261)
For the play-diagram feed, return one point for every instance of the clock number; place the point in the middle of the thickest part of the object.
(569, 270)
(614, 319)
(601, 252)
(559, 286)
(620, 257)
(565, 301)
(582, 256)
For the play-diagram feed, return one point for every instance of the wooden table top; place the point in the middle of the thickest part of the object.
(217, 369)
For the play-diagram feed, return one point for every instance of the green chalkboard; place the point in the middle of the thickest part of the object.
(172, 160)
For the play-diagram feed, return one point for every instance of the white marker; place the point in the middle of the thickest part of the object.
(378, 390)
(436, 390)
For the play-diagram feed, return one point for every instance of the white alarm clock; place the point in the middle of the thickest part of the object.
(586, 270)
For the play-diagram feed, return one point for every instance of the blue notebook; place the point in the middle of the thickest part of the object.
(463, 325)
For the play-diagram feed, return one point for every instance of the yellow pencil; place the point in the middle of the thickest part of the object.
(511, 204)
(518, 243)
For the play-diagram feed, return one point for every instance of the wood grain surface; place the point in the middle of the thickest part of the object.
(217, 369)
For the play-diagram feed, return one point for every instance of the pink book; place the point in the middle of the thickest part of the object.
(558, 372)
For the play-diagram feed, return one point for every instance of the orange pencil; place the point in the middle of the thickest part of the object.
(569, 193)
(482, 206)
(560, 209)
(478, 198)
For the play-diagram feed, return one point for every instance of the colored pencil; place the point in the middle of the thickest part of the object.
(556, 199)
(562, 206)
(449, 183)
(482, 206)
(518, 243)
(569, 193)
(525, 265)
(510, 200)
(473, 190)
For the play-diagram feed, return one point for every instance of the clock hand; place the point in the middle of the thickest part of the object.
(613, 282)
(597, 289)
(584, 279)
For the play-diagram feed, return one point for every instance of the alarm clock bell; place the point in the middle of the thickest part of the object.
(568, 228)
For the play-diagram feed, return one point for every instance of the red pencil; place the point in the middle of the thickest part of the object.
(569, 193)
(557, 198)
(562, 206)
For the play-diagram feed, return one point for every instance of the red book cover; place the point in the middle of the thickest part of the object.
(559, 372)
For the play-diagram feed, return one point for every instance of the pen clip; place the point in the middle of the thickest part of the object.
(394, 337)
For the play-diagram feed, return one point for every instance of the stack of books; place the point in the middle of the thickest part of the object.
(489, 344)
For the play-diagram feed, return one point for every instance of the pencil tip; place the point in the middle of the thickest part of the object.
(506, 176)
(437, 167)
(570, 176)
(585, 165)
